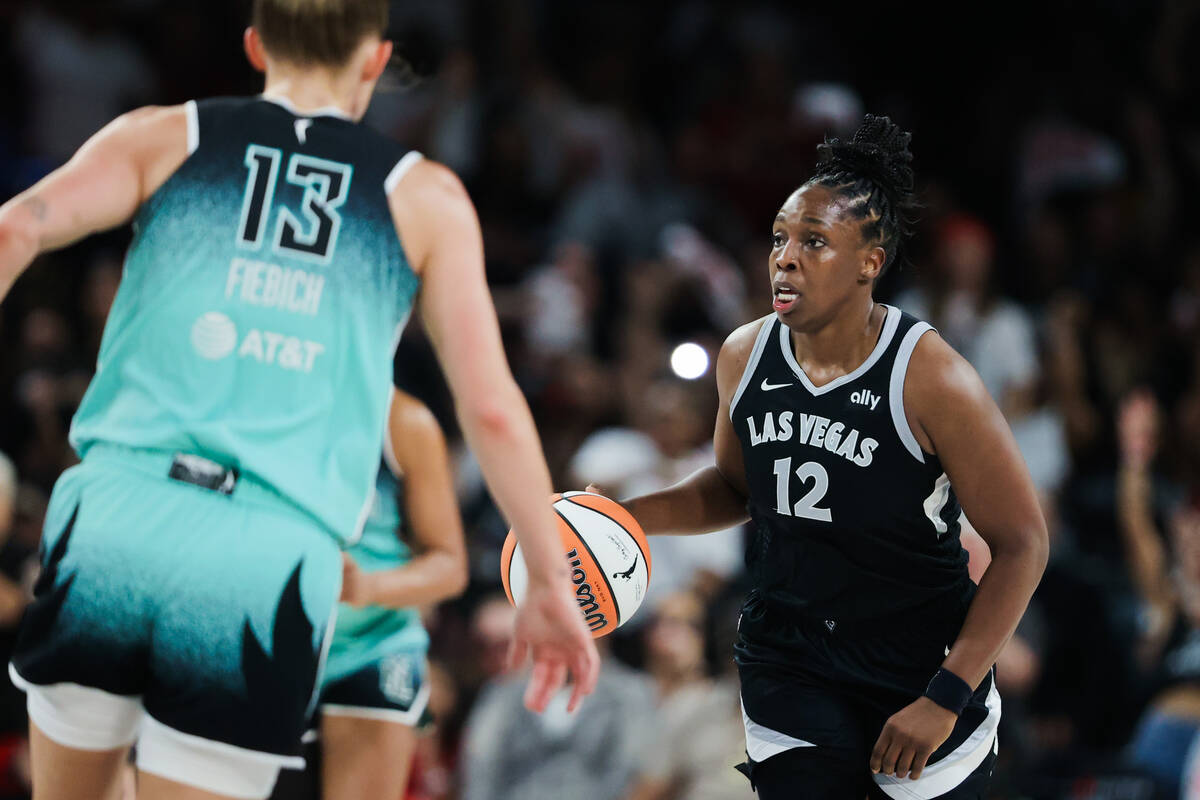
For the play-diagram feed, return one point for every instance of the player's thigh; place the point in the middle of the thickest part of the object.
(369, 717)
(67, 773)
(156, 787)
(365, 758)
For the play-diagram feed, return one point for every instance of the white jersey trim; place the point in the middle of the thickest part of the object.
(325, 111)
(936, 502)
(369, 498)
(400, 170)
(389, 452)
(890, 322)
(896, 389)
(193, 126)
(762, 742)
(410, 717)
(326, 643)
(760, 344)
(939, 778)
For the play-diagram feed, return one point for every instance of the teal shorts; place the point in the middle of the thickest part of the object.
(394, 688)
(209, 605)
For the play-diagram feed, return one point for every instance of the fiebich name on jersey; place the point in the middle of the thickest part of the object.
(814, 431)
(259, 283)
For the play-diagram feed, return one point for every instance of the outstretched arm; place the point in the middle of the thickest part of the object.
(437, 223)
(101, 187)
(438, 570)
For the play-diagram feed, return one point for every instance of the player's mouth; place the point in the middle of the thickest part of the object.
(785, 297)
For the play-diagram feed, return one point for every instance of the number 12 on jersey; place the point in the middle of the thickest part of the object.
(806, 506)
(326, 185)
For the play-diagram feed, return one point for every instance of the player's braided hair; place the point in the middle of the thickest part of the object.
(874, 170)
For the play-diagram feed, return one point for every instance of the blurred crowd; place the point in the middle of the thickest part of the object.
(626, 159)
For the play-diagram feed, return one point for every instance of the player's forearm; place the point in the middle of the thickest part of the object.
(429, 578)
(998, 606)
(703, 502)
(500, 431)
(19, 242)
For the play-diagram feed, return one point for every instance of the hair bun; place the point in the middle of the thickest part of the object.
(878, 152)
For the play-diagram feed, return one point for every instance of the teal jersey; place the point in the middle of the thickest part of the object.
(363, 635)
(262, 298)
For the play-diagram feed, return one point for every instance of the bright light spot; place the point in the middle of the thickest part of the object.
(689, 360)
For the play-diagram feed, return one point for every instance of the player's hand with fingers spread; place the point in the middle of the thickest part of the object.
(550, 628)
(909, 738)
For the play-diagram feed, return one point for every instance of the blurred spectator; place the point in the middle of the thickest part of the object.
(510, 753)
(1170, 645)
(15, 568)
(83, 70)
(700, 738)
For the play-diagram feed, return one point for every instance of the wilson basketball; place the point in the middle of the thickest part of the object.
(606, 552)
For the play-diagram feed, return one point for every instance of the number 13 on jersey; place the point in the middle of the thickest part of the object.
(806, 506)
(326, 185)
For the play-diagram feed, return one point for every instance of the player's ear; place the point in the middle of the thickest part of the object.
(255, 52)
(381, 54)
(872, 265)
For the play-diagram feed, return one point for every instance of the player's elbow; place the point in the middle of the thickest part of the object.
(1030, 544)
(19, 241)
(457, 575)
(492, 416)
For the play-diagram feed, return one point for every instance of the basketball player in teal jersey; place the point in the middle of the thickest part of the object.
(230, 438)
(375, 692)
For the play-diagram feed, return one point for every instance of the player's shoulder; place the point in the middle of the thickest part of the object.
(741, 340)
(148, 119)
(430, 179)
(939, 375)
(411, 413)
(735, 351)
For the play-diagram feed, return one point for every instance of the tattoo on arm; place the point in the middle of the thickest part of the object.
(37, 206)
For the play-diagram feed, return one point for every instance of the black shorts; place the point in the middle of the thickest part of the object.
(815, 698)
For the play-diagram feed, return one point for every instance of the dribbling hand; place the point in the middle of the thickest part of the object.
(550, 628)
(909, 738)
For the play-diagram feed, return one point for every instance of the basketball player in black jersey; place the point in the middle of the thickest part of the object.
(853, 437)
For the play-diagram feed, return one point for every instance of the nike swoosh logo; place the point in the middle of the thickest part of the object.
(766, 387)
(302, 126)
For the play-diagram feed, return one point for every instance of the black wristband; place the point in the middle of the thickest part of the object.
(949, 691)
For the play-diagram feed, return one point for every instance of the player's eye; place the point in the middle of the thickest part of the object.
(777, 239)
(815, 242)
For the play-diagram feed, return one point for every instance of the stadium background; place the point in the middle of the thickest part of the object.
(626, 159)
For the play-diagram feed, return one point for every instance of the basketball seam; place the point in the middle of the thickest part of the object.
(596, 561)
(617, 522)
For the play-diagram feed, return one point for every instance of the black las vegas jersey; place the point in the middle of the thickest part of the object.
(852, 521)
